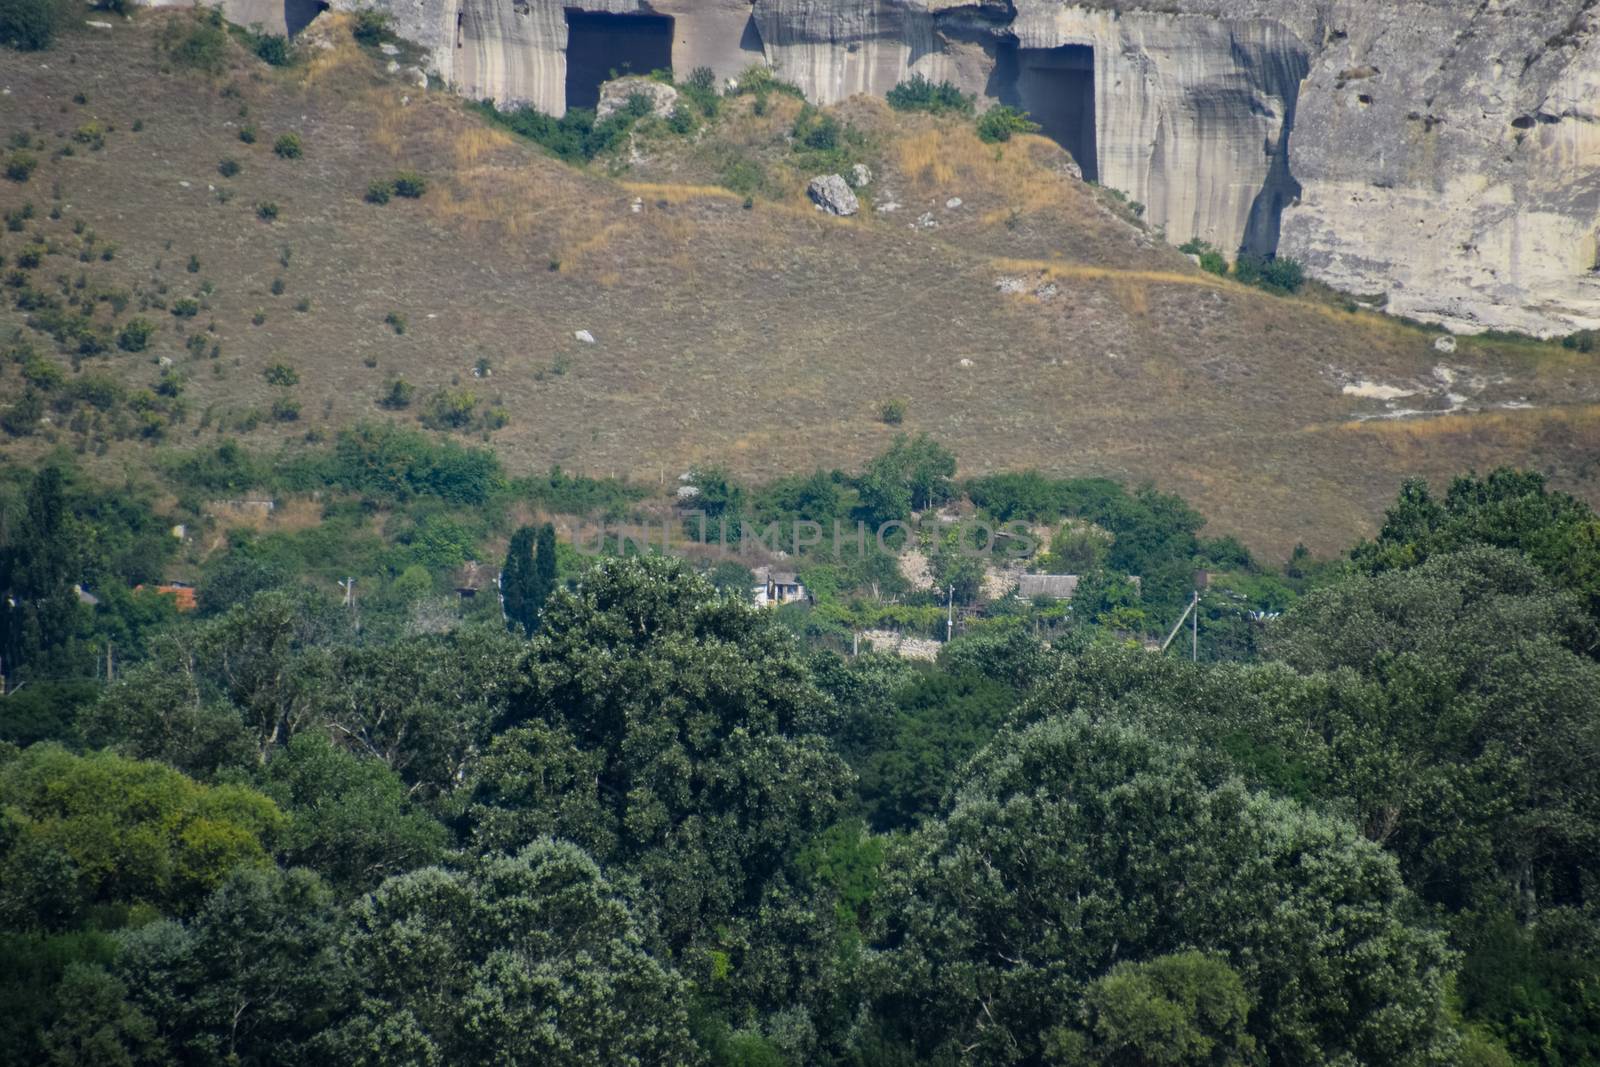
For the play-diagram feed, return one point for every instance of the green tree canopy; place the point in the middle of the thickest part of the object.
(527, 959)
(101, 829)
(1075, 846)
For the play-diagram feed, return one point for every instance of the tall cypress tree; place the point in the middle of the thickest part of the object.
(39, 604)
(518, 584)
(544, 571)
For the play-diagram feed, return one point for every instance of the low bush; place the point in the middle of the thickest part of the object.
(920, 94)
(228, 168)
(574, 138)
(287, 146)
(1000, 122)
(135, 335)
(398, 395)
(186, 308)
(21, 165)
(1278, 274)
(371, 27)
(379, 192)
(273, 49)
(281, 374)
(267, 211)
(409, 184)
(395, 322)
(892, 412)
(202, 44)
(247, 134)
(1211, 261)
(285, 409)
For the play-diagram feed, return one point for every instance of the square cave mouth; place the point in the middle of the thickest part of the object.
(1056, 87)
(602, 46)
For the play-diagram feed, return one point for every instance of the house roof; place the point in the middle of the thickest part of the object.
(1059, 586)
(767, 574)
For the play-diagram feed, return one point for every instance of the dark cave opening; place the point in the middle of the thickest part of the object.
(1056, 87)
(601, 46)
(297, 14)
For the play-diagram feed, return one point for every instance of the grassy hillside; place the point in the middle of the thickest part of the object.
(737, 327)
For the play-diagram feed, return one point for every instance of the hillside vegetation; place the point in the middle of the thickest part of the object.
(169, 282)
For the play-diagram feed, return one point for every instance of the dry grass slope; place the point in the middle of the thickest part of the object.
(763, 338)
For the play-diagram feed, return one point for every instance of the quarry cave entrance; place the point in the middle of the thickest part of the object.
(601, 46)
(1056, 87)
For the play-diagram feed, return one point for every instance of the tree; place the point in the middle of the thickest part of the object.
(1074, 846)
(1505, 508)
(421, 705)
(673, 734)
(254, 978)
(518, 583)
(100, 829)
(30, 25)
(38, 568)
(544, 567)
(527, 959)
(1183, 1010)
(1473, 755)
(349, 818)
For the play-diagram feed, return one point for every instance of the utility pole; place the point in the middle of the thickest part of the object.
(1194, 622)
(1191, 614)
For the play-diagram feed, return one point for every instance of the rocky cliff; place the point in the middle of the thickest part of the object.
(1440, 152)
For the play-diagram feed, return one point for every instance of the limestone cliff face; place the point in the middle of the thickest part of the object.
(1443, 152)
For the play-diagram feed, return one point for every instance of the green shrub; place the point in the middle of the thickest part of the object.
(371, 27)
(247, 134)
(30, 256)
(203, 45)
(892, 412)
(135, 335)
(281, 374)
(1211, 261)
(92, 134)
(409, 184)
(267, 211)
(285, 409)
(1000, 122)
(1581, 341)
(396, 322)
(187, 308)
(920, 94)
(573, 138)
(450, 409)
(816, 130)
(1279, 274)
(287, 146)
(273, 49)
(228, 168)
(398, 395)
(20, 167)
(194, 264)
(682, 122)
(639, 105)
(30, 25)
(379, 192)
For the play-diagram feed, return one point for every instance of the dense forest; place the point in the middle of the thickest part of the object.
(628, 817)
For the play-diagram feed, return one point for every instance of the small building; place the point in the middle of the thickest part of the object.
(1050, 586)
(773, 588)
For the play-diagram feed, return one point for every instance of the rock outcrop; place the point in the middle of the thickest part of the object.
(1446, 154)
(831, 193)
